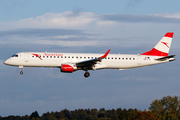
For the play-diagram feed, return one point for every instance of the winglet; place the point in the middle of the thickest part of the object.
(105, 55)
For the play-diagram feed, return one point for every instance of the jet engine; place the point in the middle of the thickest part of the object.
(68, 68)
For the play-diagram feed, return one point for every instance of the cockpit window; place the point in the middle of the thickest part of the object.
(14, 55)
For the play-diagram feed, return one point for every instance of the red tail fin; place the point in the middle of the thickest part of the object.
(162, 48)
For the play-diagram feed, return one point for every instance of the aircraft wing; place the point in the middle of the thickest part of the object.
(90, 63)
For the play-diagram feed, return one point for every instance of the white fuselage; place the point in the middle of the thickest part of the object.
(112, 61)
(70, 62)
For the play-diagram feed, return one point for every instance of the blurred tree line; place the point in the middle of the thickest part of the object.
(167, 108)
(88, 114)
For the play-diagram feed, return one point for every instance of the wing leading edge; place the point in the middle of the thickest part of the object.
(88, 64)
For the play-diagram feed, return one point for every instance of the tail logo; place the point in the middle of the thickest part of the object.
(165, 44)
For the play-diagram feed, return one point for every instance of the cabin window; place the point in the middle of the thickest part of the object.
(80, 57)
(126, 58)
(133, 58)
(76, 57)
(72, 56)
(119, 58)
(123, 58)
(61, 56)
(43, 56)
(112, 58)
(32, 56)
(47, 56)
(50, 56)
(84, 57)
(115, 58)
(129, 58)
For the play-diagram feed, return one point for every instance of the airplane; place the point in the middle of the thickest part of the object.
(71, 62)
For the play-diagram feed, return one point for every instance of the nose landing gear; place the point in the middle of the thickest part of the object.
(86, 74)
(21, 72)
(21, 69)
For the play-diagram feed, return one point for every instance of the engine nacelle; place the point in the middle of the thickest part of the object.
(68, 68)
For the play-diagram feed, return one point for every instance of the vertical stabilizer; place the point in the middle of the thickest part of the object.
(162, 48)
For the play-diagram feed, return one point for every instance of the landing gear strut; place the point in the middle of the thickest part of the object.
(21, 72)
(21, 69)
(86, 74)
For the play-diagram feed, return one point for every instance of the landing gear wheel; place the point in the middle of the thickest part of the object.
(21, 69)
(86, 74)
(21, 72)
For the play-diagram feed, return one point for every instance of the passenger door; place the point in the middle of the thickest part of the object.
(139, 59)
(26, 56)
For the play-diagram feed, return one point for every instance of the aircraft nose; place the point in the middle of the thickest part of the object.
(7, 61)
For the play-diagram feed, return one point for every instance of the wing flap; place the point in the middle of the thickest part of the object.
(87, 62)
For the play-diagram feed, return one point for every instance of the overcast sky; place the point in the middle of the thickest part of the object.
(91, 26)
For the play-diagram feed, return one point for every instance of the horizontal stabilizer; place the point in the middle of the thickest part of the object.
(166, 58)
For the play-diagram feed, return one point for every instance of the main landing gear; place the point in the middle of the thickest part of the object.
(21, 69)
(86, 74)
